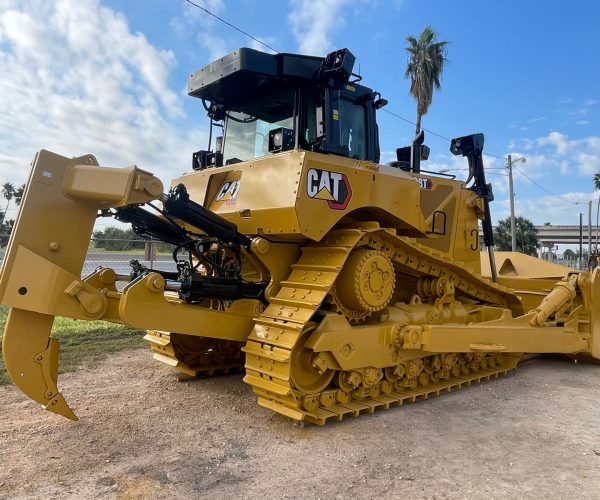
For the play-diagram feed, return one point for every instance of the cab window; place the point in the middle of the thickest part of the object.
(350, 119)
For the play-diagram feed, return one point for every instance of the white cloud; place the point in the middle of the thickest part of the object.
(535, 166)
(215, 45)
(579, 112)
(557, 150)
(584, 109)
(556, 139)
(269, 40)
(77, 80)
(312, 23)
(387, 156)
(199, 24)
(550, 208)
(525, 144)
(589, 164)
(193, 14)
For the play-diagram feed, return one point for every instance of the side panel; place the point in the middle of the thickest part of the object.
(301, 193)
(258, 195)
(332, 187)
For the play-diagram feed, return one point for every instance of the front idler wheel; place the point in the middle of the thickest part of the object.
(307, 375)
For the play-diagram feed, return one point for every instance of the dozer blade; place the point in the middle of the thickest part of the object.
(41, 270)
(31, 359)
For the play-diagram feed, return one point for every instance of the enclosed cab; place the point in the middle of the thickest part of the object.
(268, 103)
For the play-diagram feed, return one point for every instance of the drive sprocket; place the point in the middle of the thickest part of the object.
(365, 285)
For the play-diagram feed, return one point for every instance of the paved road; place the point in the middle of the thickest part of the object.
(120, 262)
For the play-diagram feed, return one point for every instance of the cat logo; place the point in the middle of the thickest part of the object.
(330, 186)
(228, 192)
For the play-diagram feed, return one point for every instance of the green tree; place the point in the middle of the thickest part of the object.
(527, 240)
(6, 225)
(19, 194)
(569, 254)
(117, 239)
(426, 59)
(8, 191)
(5, 229)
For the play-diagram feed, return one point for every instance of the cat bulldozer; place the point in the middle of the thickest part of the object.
(338, 284)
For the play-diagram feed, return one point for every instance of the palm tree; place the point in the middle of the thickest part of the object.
(527, 240)
(597, 188)
(19, 194)
(8, 191)
(426, 58)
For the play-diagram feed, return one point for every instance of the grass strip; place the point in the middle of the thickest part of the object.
(83, 341)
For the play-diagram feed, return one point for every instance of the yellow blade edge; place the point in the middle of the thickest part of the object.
(31, 359)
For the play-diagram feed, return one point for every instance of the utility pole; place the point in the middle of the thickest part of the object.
(589, 235)
(513, 225)
(589, 229)
(580, 238)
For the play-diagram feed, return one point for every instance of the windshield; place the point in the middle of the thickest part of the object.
(247, 129)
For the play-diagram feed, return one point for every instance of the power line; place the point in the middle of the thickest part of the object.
(412, 123)
(496, 156)
(231, 25)
(274, 50)
(434, 133)
(545, 190)
(386, 110)
(466, 170)
(524, 175)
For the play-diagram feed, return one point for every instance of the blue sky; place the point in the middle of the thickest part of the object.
(109, 77)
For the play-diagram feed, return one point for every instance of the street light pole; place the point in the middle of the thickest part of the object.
(513, 230)
(589, 229)
(580, 238)
(513, 225)
(589, 204)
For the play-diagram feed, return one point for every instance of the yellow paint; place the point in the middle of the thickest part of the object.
(374, 298)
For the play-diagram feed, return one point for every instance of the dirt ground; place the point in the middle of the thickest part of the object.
(142, 434)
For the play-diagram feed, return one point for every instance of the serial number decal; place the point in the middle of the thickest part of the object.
(228, 192)
(424, 183)
(332, 187)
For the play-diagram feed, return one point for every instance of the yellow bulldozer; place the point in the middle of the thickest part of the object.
(340, 285)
